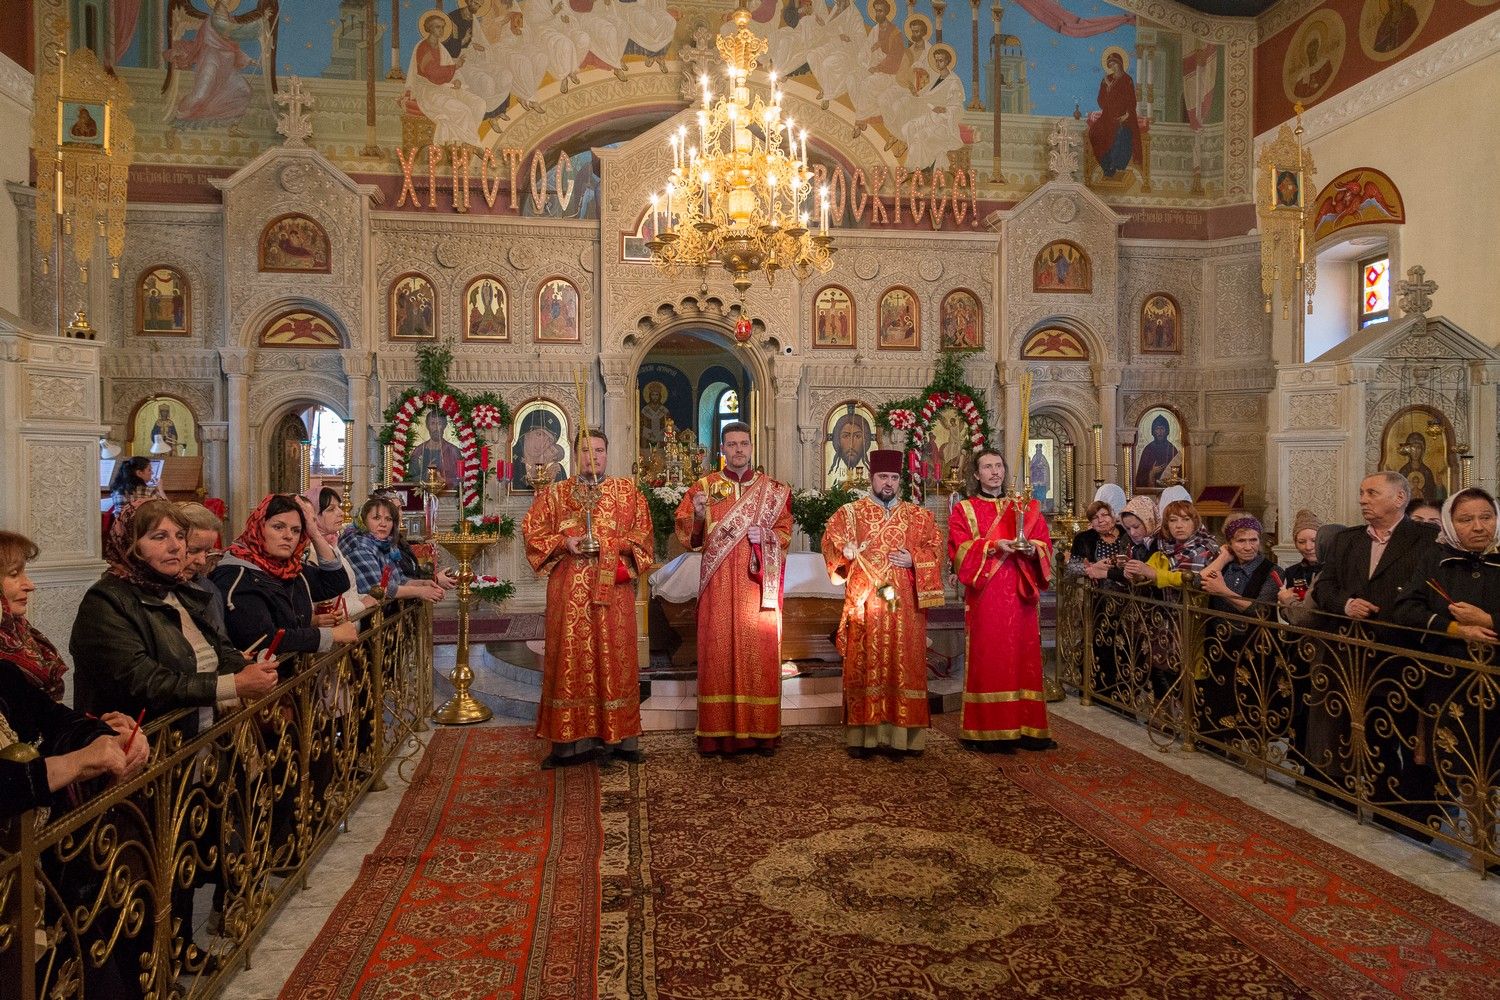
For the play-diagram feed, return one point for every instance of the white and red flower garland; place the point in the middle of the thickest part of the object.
(467, 445)
(920, 425)
(485, 417)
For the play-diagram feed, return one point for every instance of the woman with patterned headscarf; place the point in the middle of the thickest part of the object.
(143, 640)
(267, 585)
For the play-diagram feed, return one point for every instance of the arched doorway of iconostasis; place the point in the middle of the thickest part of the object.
(322, 430)
(691, 382)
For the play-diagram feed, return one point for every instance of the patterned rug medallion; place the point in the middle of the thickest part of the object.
(485, 885)
(1089, 872)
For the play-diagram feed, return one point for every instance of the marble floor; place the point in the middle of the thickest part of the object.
(299, 923)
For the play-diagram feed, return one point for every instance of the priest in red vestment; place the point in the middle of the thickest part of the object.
(1003, 706)
(590, 702)
(885, 552)
(741, 520)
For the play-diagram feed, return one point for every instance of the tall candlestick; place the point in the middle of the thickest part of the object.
(1098, 454)
(1127, 476)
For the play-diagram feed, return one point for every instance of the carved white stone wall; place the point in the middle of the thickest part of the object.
(49, 431)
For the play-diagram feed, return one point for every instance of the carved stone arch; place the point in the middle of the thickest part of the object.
(711, 312)
(1097, 346)
(249, 333)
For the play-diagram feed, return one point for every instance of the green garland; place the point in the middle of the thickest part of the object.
(947, 379)
(433, 363)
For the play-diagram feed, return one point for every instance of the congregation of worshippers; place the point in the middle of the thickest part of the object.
(177, 621)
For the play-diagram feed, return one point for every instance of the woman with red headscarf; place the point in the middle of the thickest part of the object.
(268, 586)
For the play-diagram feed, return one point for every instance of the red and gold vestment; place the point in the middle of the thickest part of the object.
(1003, 637)
(739, 606)
(884, 641)
(590, 678)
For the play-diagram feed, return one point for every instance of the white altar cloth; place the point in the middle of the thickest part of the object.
(806, 576)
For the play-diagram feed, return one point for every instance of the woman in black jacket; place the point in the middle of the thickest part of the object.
(143, 639)
(268, 587)
(1455, 597)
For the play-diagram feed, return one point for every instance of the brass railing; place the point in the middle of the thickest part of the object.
(162, 885)
(1357, 714)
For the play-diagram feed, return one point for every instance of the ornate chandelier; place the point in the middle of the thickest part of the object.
(741, 195)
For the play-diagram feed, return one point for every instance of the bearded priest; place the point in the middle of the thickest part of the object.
(591, 536)
(885, 551)
(741, 520)
(1003, 578)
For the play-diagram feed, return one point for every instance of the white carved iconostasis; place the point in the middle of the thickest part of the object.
(307, 275)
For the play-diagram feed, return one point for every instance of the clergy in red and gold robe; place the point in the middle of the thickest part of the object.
(590, 701)
(885, 552)
(1003, 705)
(741, 520)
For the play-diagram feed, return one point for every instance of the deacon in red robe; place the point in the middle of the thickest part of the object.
(590, 702)
(1003, 707)
(885, 552)
(742, 522)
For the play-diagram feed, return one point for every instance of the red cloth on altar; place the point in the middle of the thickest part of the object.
(739, 608)
(884, 644)
(590, 678)
(1003, 635)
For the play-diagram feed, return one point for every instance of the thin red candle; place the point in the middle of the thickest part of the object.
(138, 720)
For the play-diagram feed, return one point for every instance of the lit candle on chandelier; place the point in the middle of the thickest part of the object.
(655, 216)
(671, 191)
(823, 217)
(706, 179)
(673, 140)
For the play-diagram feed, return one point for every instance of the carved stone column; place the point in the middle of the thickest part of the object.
(1009, 411)
(782, 422)
(49, 446)
(239, 364)
(358, 366)
(618, 414)
(215, 437)
(809, 438)
(1108, 382)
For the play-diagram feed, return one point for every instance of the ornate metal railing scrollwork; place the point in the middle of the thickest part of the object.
(161, 886)
(1361, 715)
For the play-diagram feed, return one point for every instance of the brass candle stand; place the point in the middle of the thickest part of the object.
(463, 708)
(587, 493)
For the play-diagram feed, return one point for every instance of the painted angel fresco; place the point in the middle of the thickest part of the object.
(210, 44)
(475, 65)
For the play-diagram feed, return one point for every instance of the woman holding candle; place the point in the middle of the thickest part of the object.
(373, 548)
(268, 586)
(143, 638)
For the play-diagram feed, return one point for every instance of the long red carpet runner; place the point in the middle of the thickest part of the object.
(1088, 872)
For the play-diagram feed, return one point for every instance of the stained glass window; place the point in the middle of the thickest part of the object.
(1375, 291)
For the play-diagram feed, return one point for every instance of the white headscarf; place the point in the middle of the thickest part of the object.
(1170, 495)
(1449, 536)
(1112, 495)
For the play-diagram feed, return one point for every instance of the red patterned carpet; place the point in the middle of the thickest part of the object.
(1089, 872)
(484, 886)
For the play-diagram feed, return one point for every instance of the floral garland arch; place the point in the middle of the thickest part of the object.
(468, 414)
(915, 415)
